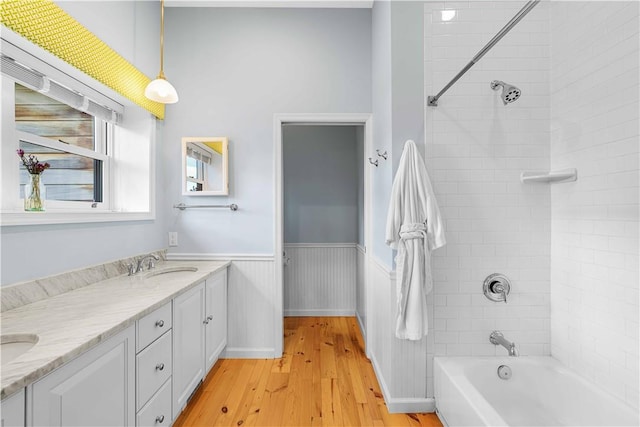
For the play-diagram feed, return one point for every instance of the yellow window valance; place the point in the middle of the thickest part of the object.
(45, 24)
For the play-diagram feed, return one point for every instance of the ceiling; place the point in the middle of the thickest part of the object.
(352, 4)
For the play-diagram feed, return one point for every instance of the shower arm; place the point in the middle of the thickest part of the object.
(432, 101)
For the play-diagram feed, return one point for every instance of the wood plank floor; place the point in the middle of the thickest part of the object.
(323, 379)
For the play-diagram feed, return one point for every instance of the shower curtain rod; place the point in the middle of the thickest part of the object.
(432, 101)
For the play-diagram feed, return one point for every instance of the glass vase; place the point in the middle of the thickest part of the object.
(34, 194)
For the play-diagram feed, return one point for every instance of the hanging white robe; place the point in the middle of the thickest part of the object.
(414, 229)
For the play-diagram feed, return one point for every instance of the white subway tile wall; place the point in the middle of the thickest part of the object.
(572, 249)
(594, 243)
(476, 148)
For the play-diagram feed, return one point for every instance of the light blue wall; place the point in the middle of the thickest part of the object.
(382, 126)
(407, 70)
(235, 68)
(320, 184)
(398, 100)
(29, 252)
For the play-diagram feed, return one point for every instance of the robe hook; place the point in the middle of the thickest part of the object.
(383, 155)
(373, 163)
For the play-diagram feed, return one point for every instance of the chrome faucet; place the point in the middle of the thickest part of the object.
(497, 338)
(140, 265)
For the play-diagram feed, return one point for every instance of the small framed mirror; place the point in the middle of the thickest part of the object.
(205, 165)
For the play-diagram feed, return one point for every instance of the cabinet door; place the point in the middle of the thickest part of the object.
(95, 389)
(12, 410)
(216, 311)
(188, 345)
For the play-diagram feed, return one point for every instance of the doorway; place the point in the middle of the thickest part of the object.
(308, 222)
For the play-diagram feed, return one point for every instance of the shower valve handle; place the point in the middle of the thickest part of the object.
(498, 288)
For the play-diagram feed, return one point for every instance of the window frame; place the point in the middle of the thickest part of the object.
(134, 137)
(103, 140)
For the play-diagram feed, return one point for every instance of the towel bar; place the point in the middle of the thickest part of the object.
(182, 206)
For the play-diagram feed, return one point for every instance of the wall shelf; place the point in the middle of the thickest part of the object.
(564, 175)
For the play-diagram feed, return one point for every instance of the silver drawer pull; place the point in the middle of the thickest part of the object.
(160, 323)
(160, 367)
(209, 317)
(160, 419)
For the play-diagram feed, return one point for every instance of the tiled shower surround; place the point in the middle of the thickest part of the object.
(476, 150)
(594, 221)
(570, 249)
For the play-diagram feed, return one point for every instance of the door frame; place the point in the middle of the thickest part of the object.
(312, 119)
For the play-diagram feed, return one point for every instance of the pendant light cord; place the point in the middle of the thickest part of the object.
(161, 75)
(160, 90)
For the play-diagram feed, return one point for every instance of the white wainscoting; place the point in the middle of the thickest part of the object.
(320, 279)
(361, 305)
(250, 300)
(400, 365)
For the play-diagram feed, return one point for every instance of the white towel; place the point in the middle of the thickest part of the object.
(414, 228)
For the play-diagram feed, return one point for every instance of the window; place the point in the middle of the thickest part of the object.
(73, 142)
(198, 159)
(101, 158)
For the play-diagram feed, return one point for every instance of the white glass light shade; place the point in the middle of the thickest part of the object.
(160, 90)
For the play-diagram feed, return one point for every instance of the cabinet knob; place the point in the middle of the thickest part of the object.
(205, 321)
(160, 419)
(209, 317)
(160, 323)
(160, 367)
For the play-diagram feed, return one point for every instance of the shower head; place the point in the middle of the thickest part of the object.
(509, 93)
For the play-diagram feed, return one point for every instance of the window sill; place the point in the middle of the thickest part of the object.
(13, 218)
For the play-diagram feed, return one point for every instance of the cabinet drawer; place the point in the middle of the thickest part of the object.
(152, 326)
(153, 368)
(158, 411)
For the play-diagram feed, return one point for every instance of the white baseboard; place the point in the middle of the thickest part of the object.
(363, 331)
(398, 405)
(412, 406)
(247, 353)
(441, 418)
(325, 313)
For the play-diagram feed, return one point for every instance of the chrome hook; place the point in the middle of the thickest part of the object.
(383, 155)
(373, 163)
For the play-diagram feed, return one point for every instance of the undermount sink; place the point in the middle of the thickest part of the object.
(170, 270)
(15, 345)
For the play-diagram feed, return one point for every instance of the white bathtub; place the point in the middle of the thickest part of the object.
(540, 392)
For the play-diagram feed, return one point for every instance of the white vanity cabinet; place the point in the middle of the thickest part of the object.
(142, 376)
(95, 389)
(12, 410)
(199, 335)
(216, 312)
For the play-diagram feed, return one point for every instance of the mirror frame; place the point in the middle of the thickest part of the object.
(225, 165)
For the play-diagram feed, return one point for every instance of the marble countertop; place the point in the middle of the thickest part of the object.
(70, 323)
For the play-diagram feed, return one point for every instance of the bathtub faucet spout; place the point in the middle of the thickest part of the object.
(497, 338)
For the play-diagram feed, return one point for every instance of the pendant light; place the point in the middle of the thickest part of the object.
(160, 90)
